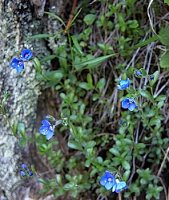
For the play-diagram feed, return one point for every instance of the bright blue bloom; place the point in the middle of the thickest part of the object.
(123, 84)
(107, 180)
(119, 186)
(46, 129)
(22, 173)
(129, 103)
(24, 166)
(17, 64)
(26, 54)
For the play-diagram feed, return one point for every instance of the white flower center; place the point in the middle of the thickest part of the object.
(109, 179)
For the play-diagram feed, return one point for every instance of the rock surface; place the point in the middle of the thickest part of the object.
(18, 20)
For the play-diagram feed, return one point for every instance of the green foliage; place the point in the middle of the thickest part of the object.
(163, 35)
(164, 60)
(95, 138)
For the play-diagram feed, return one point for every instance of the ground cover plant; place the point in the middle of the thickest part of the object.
(106, 136)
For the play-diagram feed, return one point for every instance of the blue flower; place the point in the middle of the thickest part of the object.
(119, 186)
(30, 173)
(17, 64)
(151, 77)
(46, 129)
(22, 173)
(26, 54)
(24, 166)
(123, 84)
(25, 172)
(107, 180)
(138, 73)
(129, 103)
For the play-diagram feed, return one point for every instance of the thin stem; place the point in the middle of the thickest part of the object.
(119, 196)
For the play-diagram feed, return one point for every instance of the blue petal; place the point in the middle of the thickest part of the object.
(103, 180)
(46, 122)
(119, 87)
(120, 186)
(30, 173)
(17, 64)
(26, 54)
(108, 185)
(44, 130)
(22, 173)
(49, 135)
(107, 180)
(138, 73)
(19, 69)
(125, 103)
(14, 62)
(114, 188)
(124, 84)
(132, 106)
(24, 166)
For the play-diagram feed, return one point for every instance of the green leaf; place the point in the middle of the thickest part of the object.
(164, 60)
(161, 98)
(114, 151)
(74, 145)
(54, 76)
(69, 186)
(126, 175)
(126, 165)
(48, 58)
(100, 85)
(143, 181)
(155, 75)
(164, 36)
(90, 144)
(146, 94)
(56, 17)
(155, 121)
(89, 19)
(84, 85)
(58, 179)
(21, 128)
(62, 55)
(14, 128)
(76, 45)
(90, 80)
(146, 42)
(143, 71)
(37, 65)
(166, 1)
(92, 61)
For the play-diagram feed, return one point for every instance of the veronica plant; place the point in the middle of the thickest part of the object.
(25, 172)
(129, 103)
(109, 181)
(123, 84)
(18, 63)
(47, 128)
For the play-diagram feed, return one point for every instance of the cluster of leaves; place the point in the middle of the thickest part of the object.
(95, 141)
(136, 144)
